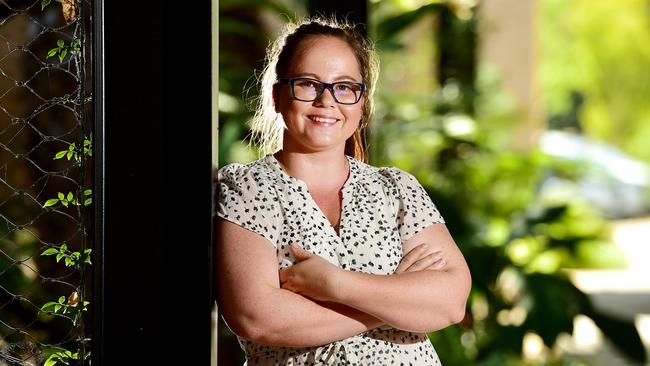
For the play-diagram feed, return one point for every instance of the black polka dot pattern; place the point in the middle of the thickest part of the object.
(381, 208)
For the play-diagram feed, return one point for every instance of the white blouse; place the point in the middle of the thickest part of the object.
(381, 209)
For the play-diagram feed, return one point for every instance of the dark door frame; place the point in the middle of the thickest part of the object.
(152, 127)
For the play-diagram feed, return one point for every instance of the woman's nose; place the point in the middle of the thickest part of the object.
(326, 98)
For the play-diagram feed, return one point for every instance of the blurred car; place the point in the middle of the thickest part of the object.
(612, 181)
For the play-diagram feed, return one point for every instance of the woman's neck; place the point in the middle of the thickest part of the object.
(321, 170)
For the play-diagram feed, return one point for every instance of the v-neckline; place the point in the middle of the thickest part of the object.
(308, 195)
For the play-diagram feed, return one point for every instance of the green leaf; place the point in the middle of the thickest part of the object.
(52, 52)
(51, 361)
(63, 53)
(68, 261)
(69, 196)
(88, 192)
(69, 154)
(51, 202)
(65, 203)
(57, 307)
(50, 251)
(61, 196)
(64, 246)
(44, 4)
(60, 43)
(59, 256)
(88, 201)
(60, 154)
(48, 304)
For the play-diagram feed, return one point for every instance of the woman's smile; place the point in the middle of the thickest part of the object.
(323, 121)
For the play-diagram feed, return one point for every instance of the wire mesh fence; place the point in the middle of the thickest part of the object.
(45, 181)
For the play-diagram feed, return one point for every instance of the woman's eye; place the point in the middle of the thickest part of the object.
(343, 87)
(347, 88)
(305, 84)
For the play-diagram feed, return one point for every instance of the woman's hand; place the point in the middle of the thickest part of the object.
(419, 259)
(312, 276)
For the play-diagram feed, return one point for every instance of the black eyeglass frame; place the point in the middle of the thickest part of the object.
(330, 86)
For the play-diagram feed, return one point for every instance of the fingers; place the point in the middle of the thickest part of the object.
(438, 265)
(412, 257)
(431, 261)
(420, 258)
(283, 276)
(286, 279)
(299, 253)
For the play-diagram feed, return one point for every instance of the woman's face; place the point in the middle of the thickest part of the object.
(323, 124)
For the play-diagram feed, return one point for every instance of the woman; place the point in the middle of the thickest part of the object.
(322, 258)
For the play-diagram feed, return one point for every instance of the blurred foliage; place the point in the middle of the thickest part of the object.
(603, 55)
(448, 121)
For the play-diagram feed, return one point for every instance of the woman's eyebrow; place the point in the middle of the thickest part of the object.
(315, 76)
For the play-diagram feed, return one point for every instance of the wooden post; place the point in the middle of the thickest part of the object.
(508, 42)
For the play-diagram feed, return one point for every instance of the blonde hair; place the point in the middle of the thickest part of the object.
(267, 127)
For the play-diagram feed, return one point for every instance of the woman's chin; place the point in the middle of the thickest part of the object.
(319, 145)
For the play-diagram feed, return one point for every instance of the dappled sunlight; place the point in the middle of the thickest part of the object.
(621, 292)
(503, 141)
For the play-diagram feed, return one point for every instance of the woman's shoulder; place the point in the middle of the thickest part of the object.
(256, 173)
(256, 169)
(388, 175)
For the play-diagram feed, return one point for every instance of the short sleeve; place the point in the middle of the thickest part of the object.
(246, 199)
(415, 210)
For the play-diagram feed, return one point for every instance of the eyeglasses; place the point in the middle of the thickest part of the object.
(308, 90)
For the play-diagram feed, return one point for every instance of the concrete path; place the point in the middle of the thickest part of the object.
(624, 293)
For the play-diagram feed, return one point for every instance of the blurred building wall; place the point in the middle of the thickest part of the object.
(508, 43)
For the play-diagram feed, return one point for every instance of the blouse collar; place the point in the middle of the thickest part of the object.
(353, 166)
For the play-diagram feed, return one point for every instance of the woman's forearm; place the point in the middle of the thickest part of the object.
(419, 301)
(255, 307)
(291, 320)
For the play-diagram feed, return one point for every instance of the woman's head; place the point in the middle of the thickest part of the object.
(346, 56)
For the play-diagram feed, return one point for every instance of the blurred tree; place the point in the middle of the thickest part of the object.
(516, 241)
(446, 119)
(604, 55)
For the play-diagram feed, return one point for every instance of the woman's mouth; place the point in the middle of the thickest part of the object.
(323, 121)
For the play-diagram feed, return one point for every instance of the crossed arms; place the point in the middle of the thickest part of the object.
(313, 302)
